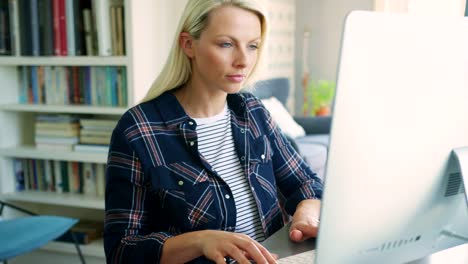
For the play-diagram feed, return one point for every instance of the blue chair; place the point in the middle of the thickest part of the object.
(24, 234)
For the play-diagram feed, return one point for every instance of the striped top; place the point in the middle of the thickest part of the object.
(216, 144)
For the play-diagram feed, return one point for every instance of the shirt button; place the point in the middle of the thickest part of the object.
(181, 183)
(243, 158)
(192, 143)
(227, 196)
(262, 156)
(242, 130)
(190, 123)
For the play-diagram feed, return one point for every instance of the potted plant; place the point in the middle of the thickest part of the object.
(319, 97)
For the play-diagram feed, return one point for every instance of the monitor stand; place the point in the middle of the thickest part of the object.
(460, 157)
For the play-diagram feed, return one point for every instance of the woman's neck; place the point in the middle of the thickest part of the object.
(200, 103)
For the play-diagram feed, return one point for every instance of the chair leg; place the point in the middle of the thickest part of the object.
(77, 246)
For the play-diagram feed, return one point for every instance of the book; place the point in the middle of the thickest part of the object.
(46, 27)
(14, 27)
(91, 148)
(100, 179)
(34, 19)
(89, 183)
(84, 231)
(24, 15)
(56, 29)
(63, 28)
(101, 123)
(54, 146)
(101, 10)
(5, 41)
(88, 31)
(120, 31)
(19, 173)
(58, 176)
(70, 25)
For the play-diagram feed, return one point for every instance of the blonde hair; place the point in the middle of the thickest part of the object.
(177, 70)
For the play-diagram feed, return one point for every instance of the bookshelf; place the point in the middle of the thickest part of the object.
(148, 28)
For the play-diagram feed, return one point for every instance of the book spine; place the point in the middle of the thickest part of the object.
(41, 84)
(19, 174)
(34, 84)
(63, 28)
(58, 177)
(100, 179)
(56, 19)
(25, 27)
(14, 27)
(88, 32)
(46, 27)
(102, 17)
(64, 172)
(34, 14)
(120, 31)
(70, 24)
(113, 23)
(78, 26)
(23, 98)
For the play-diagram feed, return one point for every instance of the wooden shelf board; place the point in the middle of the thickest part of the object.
(64, 60)
(31, 152)
(62, 199)
(68, 109)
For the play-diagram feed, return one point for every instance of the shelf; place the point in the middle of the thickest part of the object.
(63, 61)
(68, 109)
(64, 199)
(94, 249)
(31, 152)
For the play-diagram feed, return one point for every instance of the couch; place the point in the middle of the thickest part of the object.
(314, 145)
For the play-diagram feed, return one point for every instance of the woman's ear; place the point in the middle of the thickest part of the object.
(186, 43)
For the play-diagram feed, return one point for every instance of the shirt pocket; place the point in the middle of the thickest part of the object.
(261, 167)
(186, 196)
(261, 150)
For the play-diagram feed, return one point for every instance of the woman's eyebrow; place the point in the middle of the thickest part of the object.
(236, 40)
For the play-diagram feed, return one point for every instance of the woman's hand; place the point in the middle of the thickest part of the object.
(215, 245)
(305, 221)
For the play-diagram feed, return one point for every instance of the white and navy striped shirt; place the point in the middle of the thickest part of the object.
(216, 144)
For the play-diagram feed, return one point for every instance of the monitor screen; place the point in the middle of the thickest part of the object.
(393, 191)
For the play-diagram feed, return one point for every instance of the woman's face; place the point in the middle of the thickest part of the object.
(227, 49)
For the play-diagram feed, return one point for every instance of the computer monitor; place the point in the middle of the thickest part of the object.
(393, 191)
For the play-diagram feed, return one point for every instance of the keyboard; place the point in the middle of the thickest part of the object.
(302, 258)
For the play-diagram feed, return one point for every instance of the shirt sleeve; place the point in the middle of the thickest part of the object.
(128, 236)
(294, 177)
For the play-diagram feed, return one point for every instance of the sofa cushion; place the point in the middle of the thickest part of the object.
(283, 118)
(314, 149)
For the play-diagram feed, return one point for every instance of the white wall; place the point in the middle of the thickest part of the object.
(324, 19)
(426, 7)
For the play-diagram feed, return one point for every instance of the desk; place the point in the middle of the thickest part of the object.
(280, 244)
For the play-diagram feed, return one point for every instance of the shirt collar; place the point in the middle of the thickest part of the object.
(172, 112)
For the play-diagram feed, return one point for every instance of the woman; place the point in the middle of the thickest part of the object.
(194, 170)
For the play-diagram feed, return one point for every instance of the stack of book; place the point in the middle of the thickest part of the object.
(85, 231)
(57, 132)
(95, 135)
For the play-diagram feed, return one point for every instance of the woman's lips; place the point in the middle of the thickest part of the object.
(235, 77)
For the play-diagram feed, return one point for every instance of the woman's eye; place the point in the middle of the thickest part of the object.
(226, 45)
(253, 46)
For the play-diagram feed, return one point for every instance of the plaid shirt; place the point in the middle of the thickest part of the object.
(158, 185)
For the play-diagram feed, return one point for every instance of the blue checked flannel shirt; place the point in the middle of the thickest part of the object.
(158, 185)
